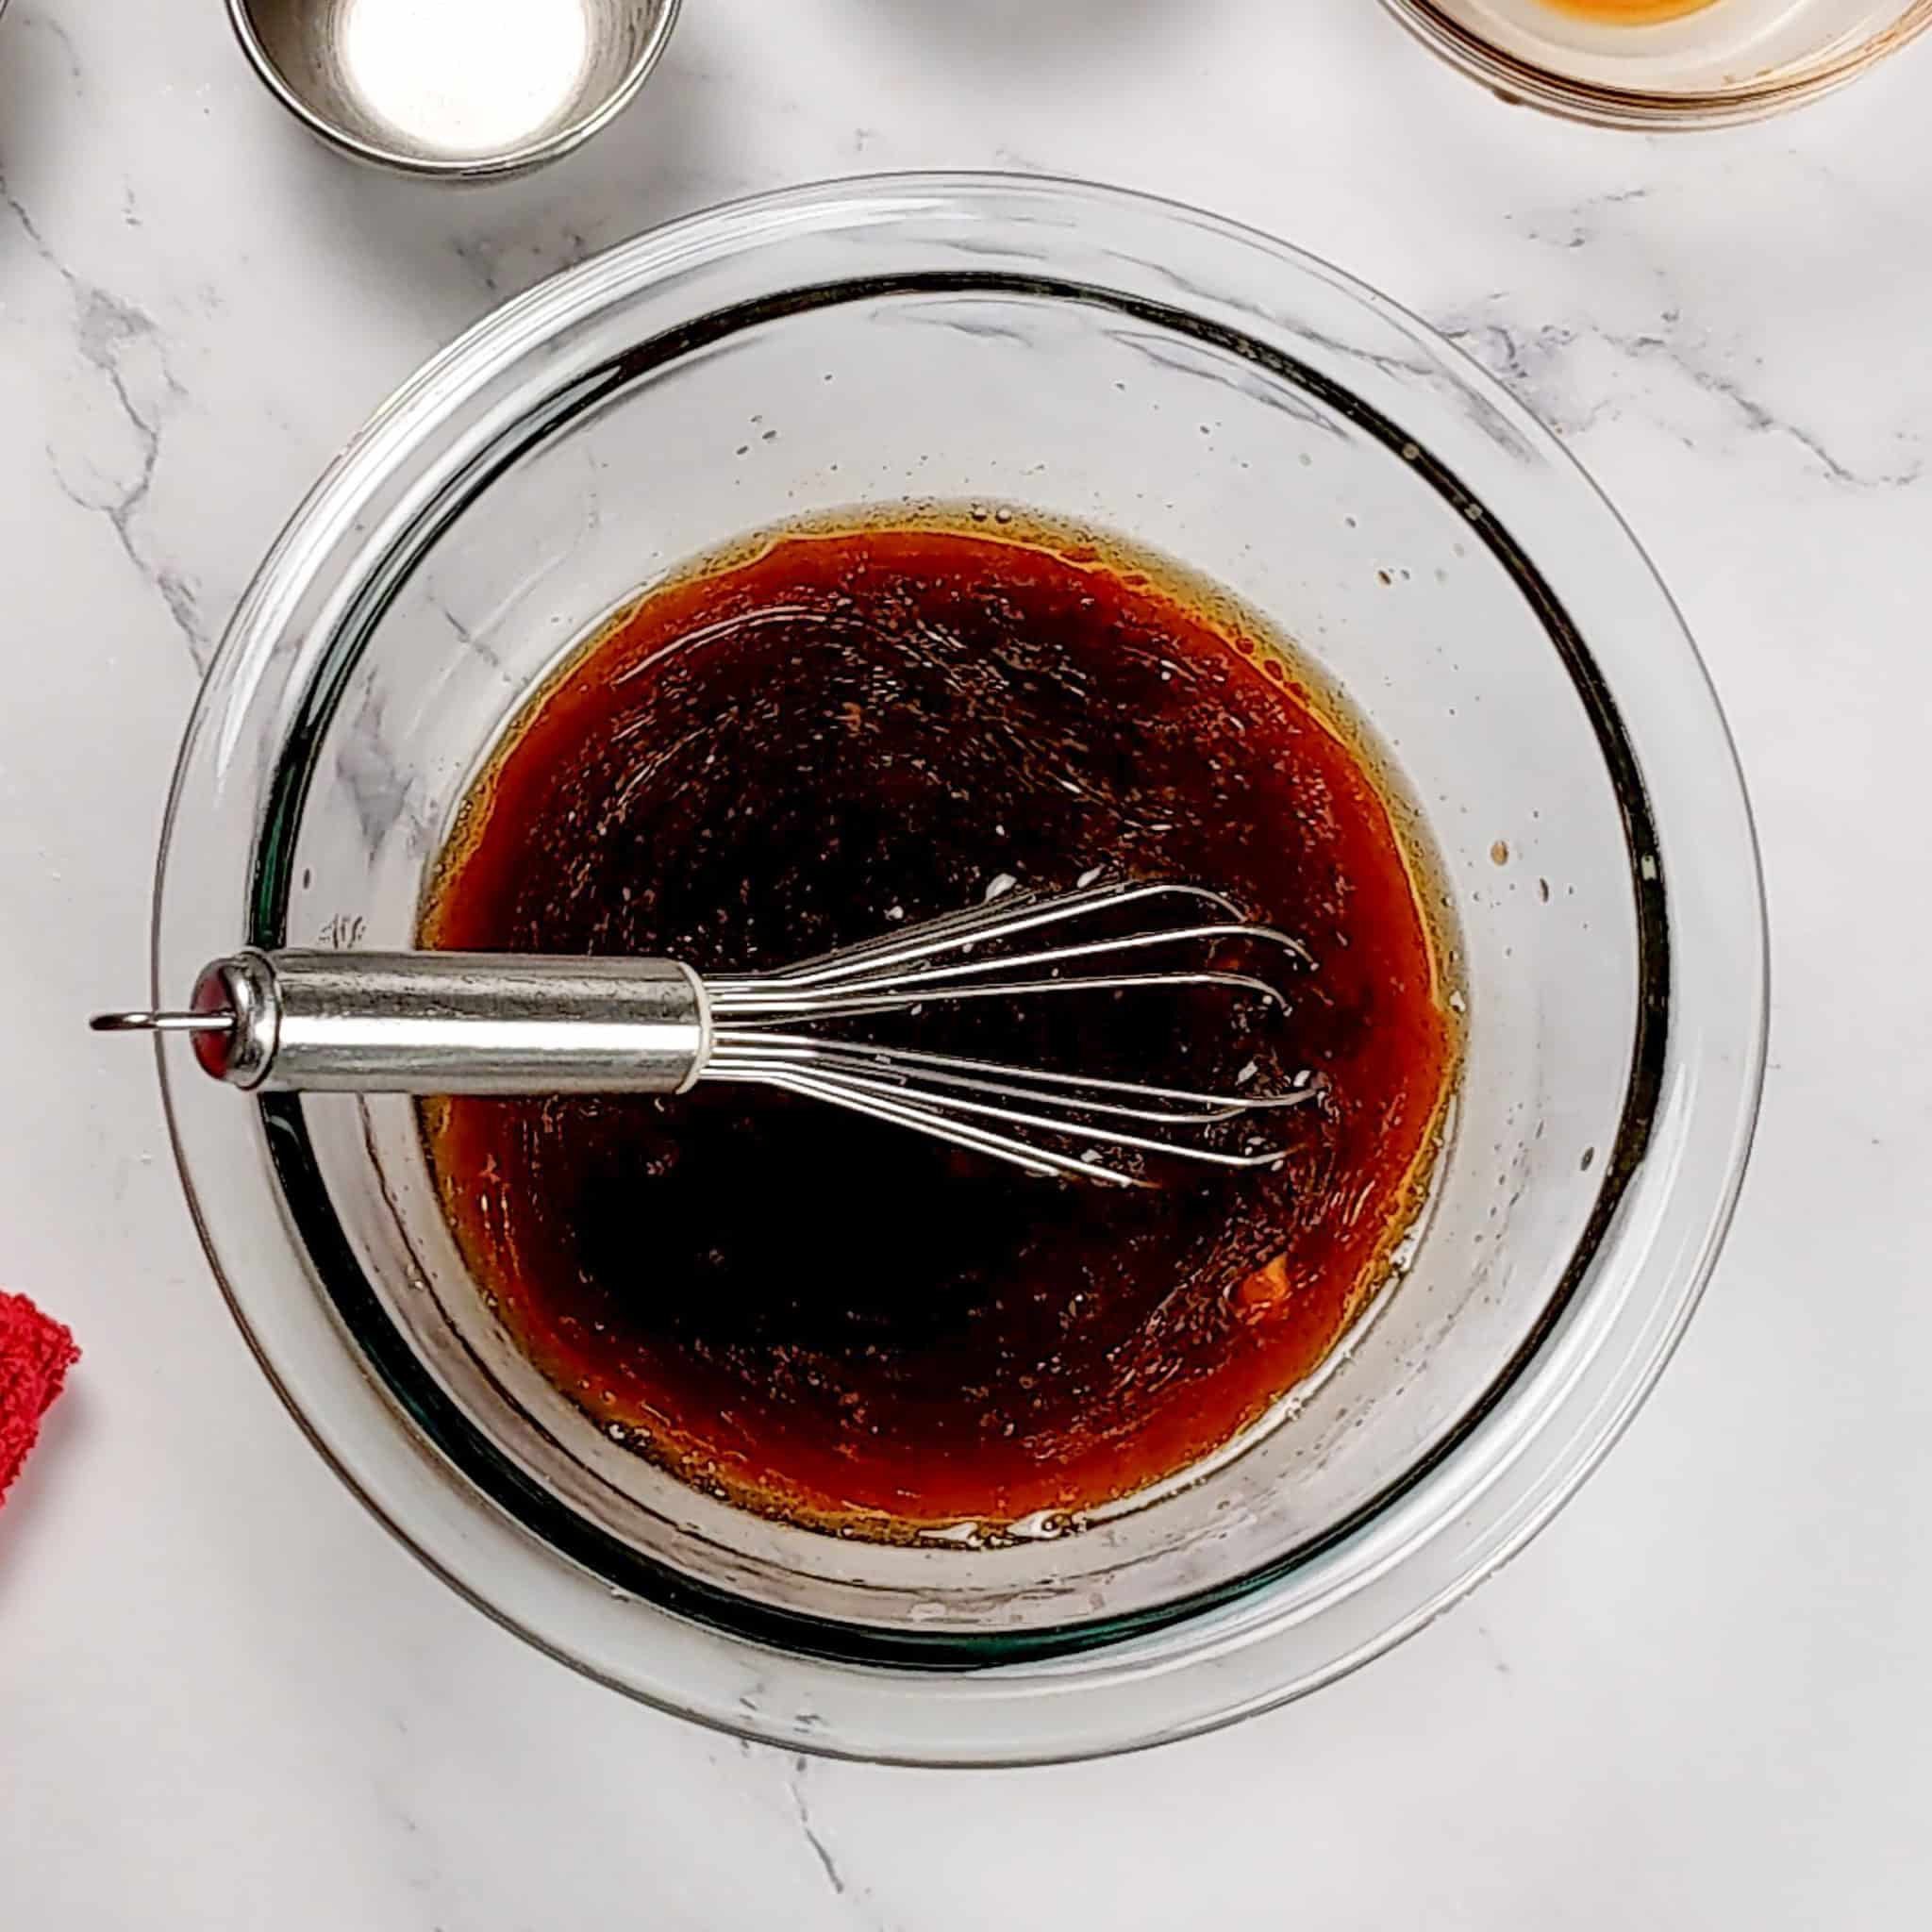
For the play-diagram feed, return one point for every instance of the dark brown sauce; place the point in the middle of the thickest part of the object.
(841, 1323)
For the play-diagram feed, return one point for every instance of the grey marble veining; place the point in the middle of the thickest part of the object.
(226, 1699)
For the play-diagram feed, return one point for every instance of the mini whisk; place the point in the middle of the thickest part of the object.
(500, 1025)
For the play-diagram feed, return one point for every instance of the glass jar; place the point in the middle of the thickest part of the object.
(1706, 66)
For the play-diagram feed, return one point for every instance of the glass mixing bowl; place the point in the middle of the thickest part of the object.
(1118, 364)
(1724, 60)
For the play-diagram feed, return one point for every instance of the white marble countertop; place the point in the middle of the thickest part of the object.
(228, 1700)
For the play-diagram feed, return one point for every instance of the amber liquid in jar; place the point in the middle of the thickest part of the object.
(847, 730)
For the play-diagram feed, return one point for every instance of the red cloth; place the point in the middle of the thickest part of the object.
(35, 1356)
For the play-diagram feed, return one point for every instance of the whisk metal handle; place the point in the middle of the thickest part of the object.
(480, 1024)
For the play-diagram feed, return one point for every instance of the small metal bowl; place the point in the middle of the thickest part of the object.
(453, 90)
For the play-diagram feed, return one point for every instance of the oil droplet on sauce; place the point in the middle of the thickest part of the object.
(842, 1323)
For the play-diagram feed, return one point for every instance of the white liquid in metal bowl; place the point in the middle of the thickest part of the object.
(466, 77)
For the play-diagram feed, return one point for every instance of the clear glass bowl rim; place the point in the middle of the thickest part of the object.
(1003, 1703)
